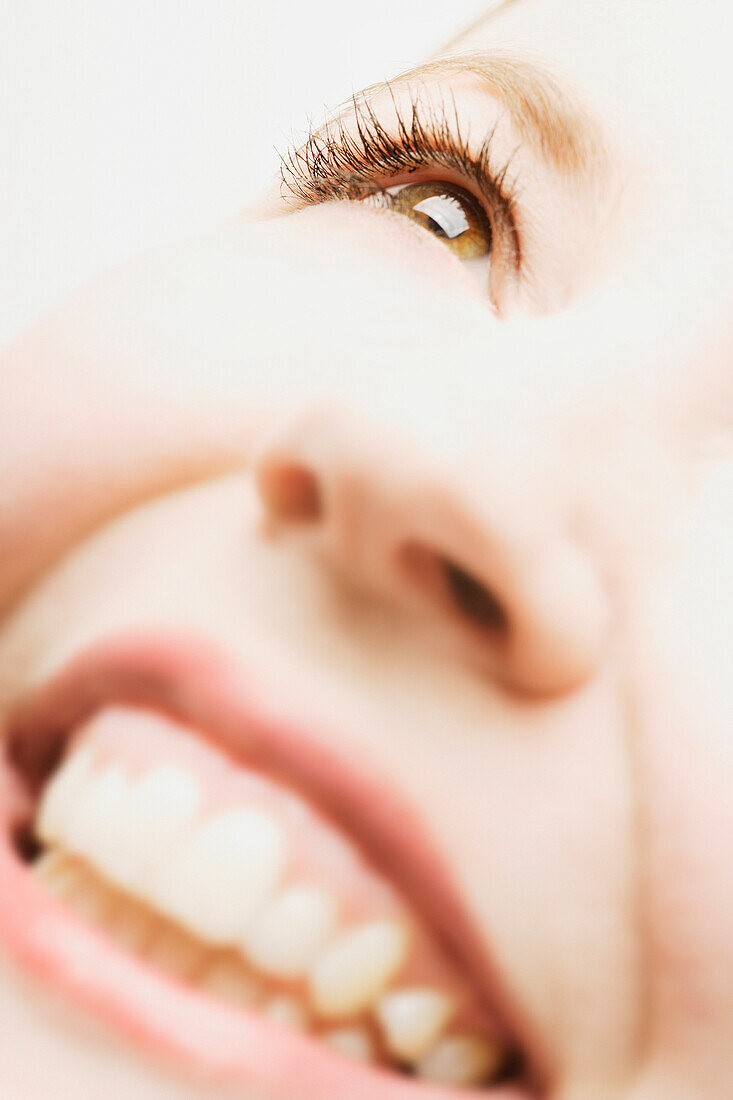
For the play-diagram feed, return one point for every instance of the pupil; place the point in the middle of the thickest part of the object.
(443, 214)
(434, 227)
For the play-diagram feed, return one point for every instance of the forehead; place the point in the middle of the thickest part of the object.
(665, 58)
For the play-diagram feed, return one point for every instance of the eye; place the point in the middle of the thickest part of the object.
(447, 211)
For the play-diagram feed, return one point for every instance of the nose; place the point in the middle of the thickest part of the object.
(486, 560)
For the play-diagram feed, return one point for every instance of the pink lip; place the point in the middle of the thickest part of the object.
(201, 687)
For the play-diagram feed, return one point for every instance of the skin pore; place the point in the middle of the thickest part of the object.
(321, 442)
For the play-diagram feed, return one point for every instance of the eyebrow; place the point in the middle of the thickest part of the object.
(545, 113)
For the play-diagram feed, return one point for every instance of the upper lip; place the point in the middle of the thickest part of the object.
(200, 686)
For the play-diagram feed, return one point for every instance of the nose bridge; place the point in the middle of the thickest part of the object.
(477, 548)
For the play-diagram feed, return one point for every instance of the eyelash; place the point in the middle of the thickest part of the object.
(338, 163)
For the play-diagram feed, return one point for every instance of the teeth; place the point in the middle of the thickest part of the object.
(228, 979)
(174, 952)
(117, 824)
(132, 926)
(288, 1011)
(60, 872)
(79, 887)
(99, 808)
(92, 899)
(222, 874)
(202, 898)
(357, 967)
(157, 810)
(412, 1020)
(291, 930)
(461, 1060)
(61, 796)
(354, 1042)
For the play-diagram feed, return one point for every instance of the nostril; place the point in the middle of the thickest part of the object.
(477, 602)
(290, 491)
(451, 585)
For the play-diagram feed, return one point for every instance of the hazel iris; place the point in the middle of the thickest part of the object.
(448, 212)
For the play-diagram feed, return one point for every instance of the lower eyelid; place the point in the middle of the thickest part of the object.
(431, 257)
(506, 260)
(473, 274)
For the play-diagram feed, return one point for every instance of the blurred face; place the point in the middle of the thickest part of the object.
(365, 599)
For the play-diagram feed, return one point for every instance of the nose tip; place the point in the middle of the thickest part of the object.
(510, 592)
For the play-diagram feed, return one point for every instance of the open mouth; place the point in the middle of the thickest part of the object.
(225, 889)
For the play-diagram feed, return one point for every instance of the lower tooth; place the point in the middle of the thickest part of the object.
(461, 1060)
(287, 1011)
(132, 927)
(227, 979)
(354, 1042)
(92, 899)
(176, 954)
(60, 873)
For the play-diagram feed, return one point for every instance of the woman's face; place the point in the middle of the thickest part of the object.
(407, 576)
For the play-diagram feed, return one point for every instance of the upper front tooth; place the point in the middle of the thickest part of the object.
(351, 973)
(61, 795)
(461, 1060)
(412, 1020)
(222, 873)
(159, 807)
(123, 826)
(100, 810)
(291, 930)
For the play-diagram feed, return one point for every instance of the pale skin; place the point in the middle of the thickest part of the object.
(570, 446)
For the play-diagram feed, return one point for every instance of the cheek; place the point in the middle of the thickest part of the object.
(155, 372)
(686, 770)
(381, 243)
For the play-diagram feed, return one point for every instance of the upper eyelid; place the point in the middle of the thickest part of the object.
(355, 152)
(545, 111)
(332, 152)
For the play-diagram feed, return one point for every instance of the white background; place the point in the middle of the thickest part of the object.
(126, 123)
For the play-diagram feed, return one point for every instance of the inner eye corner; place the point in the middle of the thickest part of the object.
(449, 584)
